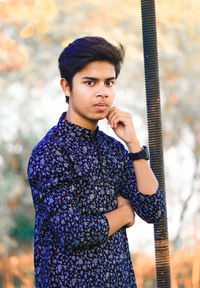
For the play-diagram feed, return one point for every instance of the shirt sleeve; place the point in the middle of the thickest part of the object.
(55, 200)
(149, 207)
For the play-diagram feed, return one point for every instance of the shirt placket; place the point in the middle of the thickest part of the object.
(97, 158)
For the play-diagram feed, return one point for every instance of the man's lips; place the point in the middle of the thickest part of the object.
(100, 106)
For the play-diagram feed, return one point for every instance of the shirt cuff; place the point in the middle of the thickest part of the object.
(151, 207)
(104, 227)
(151, 197)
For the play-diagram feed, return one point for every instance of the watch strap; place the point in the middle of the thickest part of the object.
(143, 154)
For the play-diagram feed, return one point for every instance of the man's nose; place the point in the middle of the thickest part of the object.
(102, 91)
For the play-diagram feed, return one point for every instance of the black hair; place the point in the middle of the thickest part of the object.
(85, 50)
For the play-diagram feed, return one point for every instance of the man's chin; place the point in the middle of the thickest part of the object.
(101, 117)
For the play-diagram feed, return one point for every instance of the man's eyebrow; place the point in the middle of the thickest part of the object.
(94, 78)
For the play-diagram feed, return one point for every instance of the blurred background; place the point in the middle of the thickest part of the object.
(32, 36)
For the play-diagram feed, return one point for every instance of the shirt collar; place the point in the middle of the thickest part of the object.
(75, 130)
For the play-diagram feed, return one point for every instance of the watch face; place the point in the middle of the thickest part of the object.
(144, 154)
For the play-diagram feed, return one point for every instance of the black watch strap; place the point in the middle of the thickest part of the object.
(143, 154)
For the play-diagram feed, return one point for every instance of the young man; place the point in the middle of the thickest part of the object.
(85, 185)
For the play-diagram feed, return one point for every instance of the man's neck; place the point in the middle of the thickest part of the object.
(71, 117)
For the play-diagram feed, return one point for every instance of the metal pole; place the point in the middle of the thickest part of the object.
(155, 135)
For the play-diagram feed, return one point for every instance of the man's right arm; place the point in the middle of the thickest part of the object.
(122, 216)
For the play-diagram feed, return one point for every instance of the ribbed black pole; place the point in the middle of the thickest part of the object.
(155, 135)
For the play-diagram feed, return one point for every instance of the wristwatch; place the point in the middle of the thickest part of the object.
(143, 154)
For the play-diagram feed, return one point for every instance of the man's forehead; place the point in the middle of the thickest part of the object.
(99, 70)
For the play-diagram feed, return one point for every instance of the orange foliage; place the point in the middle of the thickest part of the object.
(12, 55)
(13, 204)
(27, 31)
(185, 267)
(18, 266)
(42, 27)
(174, 98)
(143, 267)
(28, 11)
(35, 16)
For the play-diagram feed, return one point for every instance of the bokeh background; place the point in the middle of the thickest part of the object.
(32, 36)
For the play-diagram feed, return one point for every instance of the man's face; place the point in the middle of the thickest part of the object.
(92, 85)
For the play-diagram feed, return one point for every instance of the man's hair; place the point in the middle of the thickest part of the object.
(84, 50)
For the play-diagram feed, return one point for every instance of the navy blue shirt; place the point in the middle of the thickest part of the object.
(75, 176)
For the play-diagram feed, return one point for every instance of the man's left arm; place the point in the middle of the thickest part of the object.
(146, 181)
(140, 185)
(150, 207)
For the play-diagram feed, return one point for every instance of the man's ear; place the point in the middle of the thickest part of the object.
(65, 86)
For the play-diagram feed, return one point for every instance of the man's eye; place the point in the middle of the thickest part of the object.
(89, 83)
(109, 83)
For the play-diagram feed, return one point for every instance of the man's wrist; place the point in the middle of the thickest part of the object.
(125, 214)
(134, 146)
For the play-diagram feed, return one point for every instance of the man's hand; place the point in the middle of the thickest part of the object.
(122, 125)
(129, 209)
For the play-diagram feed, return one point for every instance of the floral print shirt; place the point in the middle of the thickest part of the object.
(75, 176)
